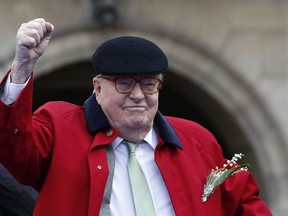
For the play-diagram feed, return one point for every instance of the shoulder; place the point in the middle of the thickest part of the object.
(185, 126)
(193, 135)
(58, 109)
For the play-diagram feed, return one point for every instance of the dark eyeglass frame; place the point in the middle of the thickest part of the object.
(115, 79)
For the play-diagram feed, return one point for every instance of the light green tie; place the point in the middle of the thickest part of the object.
(141, 194)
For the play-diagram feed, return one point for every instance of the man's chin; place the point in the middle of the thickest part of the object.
(137, 123)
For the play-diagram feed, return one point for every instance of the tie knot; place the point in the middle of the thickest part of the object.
(130, 146)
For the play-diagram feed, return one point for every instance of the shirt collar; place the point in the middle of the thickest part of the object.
(151, 139)
(97, 121)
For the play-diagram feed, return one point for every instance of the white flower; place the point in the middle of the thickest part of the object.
(219, 175)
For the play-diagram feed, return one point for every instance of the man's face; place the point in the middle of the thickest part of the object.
(126, 111)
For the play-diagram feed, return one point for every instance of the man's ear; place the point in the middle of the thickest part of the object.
(97, 87)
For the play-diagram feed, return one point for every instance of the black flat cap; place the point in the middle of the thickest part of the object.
(129, 55)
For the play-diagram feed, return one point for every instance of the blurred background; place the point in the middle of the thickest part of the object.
(227, 67)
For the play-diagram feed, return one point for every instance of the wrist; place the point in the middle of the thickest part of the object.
(20, 72)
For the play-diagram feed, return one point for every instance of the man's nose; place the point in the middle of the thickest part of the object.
(137, 91)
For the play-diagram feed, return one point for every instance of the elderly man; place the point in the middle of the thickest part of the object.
(83, 159)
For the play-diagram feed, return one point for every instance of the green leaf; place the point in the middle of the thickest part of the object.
(228, 173)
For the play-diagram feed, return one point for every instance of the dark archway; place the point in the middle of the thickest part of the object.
(179, 97)
(72, 83)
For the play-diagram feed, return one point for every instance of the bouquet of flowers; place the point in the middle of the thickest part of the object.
(219, 175)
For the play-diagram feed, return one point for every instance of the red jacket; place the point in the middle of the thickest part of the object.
(62, 152)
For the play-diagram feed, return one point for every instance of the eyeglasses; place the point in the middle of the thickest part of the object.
(125, 85)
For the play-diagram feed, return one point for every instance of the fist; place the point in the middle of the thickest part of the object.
(31, 42)
(32, 39)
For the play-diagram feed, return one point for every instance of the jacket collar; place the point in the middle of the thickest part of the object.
(96, 121)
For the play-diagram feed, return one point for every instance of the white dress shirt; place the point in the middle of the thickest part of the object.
(11, 91)
(121, 203)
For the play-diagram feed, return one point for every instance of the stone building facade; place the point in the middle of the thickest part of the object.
(228, 67)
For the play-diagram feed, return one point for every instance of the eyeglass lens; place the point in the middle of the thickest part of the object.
(148, 85)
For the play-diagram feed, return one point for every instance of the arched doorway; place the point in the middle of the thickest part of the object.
(179, 97)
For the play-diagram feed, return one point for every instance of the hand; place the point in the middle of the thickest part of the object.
(31, 42)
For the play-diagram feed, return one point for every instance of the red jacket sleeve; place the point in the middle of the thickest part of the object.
(240, 196)
(18, 140)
